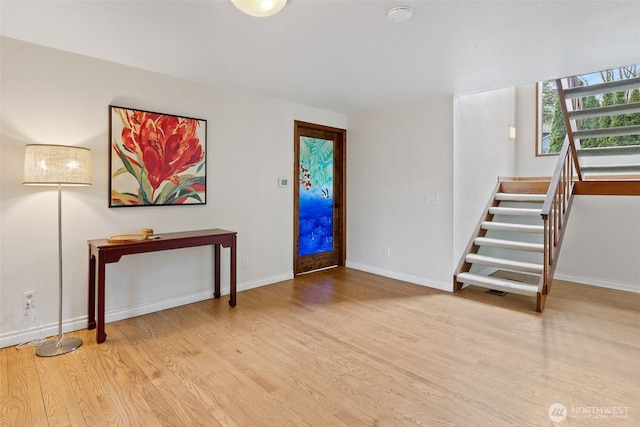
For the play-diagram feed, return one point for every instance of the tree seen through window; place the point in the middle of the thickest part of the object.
(552, 129)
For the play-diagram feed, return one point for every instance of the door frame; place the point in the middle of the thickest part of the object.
(339, 197)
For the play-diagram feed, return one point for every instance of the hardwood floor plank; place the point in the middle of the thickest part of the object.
(5, 420)
(157, 361)
(90, 383)
(26, 405)
(344, 348)
(118, 394)
(61, 402)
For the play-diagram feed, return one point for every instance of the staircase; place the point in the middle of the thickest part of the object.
(507, 250)
(516, 244)
(602, 153)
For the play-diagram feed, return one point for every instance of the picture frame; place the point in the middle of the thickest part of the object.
(156, 159)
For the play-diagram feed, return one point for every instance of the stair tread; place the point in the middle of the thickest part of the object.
(521, 197)
(509, 244)
(611, 131)
(627, 168)
(506, 285)
(620, 150)
(607, 110)
(498, 210)
(606, 87)
(505, 263)
(506, 226)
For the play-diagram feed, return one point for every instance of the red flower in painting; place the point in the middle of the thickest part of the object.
(166, 145)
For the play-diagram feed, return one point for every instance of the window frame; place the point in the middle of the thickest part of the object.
(539, 121)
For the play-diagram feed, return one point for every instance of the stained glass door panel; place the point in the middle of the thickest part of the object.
(316, 196)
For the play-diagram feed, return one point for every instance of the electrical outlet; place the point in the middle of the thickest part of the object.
(28, 300)
(386, 251)
(245, 262)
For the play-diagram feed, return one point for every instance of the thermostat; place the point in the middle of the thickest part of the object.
(283, 182)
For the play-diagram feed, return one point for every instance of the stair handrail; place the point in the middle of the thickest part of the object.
(570, 124)
(555, 210)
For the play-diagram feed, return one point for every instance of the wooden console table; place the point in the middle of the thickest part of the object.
(102, 252)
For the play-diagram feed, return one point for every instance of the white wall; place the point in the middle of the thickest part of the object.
(53, 97)
(483, 152)
(395, 158)
(527, 163)
(602, 242)
(451, 148)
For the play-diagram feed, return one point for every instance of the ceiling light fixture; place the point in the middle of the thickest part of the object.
(259, 8)
(399, 14)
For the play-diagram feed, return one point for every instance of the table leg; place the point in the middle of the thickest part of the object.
(232, 274)
(92, 292)
(216, 273)
(101, 334)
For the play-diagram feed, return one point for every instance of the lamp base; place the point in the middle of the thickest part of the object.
(58, 347)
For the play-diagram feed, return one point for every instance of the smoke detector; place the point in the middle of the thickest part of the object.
(399, 14)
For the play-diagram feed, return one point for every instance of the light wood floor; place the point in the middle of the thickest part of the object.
(344, 348)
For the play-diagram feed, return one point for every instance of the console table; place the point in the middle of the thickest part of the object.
(102, 252)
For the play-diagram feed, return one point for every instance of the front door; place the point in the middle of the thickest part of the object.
(319, 197)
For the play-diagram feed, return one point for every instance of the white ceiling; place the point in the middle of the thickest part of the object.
(342, 55)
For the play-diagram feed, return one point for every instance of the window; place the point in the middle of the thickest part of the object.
(550, 123)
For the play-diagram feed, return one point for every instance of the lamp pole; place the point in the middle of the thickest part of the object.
(62, 345)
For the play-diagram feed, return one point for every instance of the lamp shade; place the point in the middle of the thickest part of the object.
(56, 165)
(260, 8)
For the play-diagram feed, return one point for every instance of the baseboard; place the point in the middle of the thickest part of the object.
(158, 305)
(245, 286)
(443, 286)
(592, 281)
(49, 330)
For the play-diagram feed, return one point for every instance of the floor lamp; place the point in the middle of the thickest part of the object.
(57, 165)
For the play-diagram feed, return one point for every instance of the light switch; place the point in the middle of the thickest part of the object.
(432, 199)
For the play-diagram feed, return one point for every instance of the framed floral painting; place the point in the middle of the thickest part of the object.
(156, 159)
